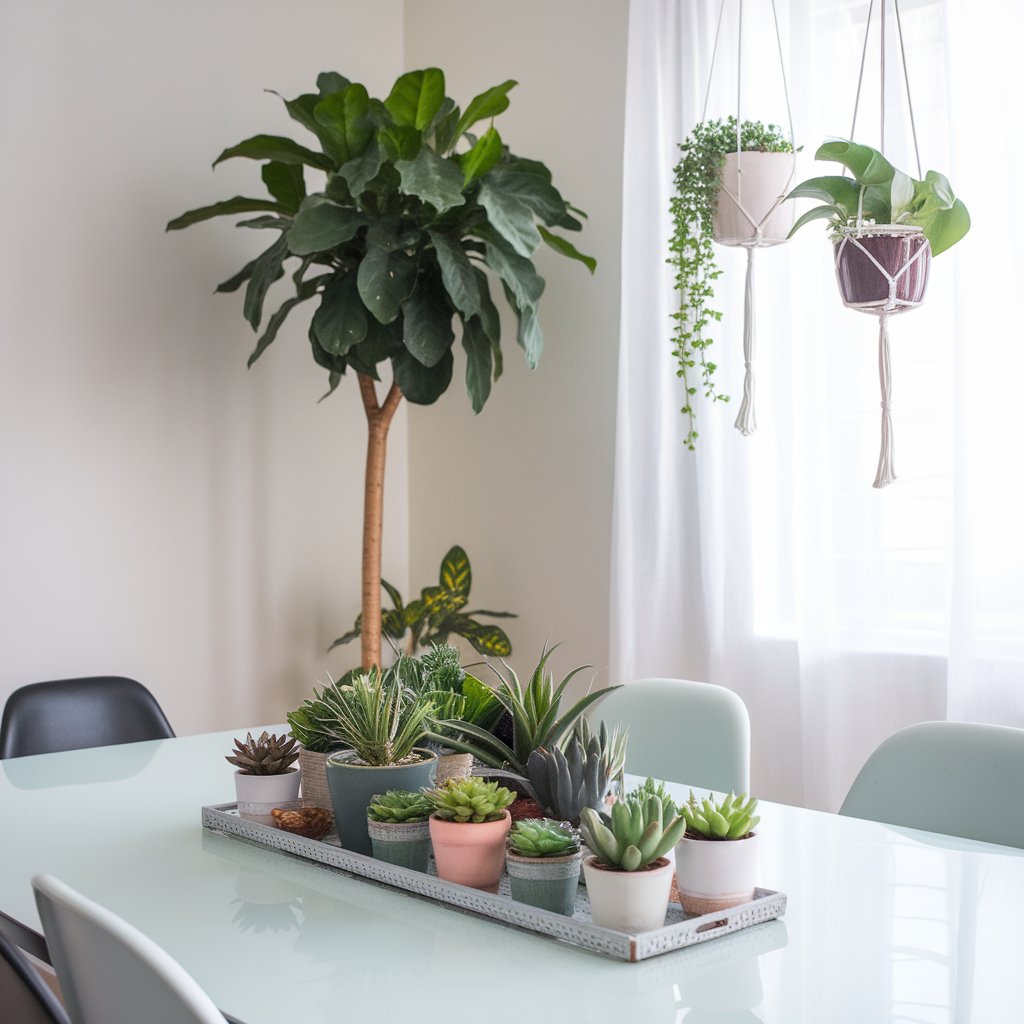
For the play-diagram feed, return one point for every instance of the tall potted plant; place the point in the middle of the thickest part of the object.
(393, 248)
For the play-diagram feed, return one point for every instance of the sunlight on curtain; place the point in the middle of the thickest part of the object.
(769, 564)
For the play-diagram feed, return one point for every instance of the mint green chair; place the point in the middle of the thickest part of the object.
(958, 778)
(681, 731)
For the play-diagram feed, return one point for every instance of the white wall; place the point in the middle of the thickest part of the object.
(165, 514)
(526, 486)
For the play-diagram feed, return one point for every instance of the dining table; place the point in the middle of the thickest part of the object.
(883, 923)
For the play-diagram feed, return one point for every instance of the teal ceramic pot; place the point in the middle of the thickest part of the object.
(404, 843)
(352, 787)
(546, 882)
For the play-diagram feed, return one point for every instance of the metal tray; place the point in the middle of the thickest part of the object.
(679, 931)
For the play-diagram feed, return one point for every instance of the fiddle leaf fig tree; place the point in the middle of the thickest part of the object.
(418, 208)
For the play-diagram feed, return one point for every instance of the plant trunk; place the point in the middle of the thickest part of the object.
(378, 420)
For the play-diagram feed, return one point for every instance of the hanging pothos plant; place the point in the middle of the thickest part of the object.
(691, 252)
(393, 246)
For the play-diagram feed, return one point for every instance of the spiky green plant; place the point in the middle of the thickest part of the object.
(613, 743)
(635, 836)
(440, 668)
(476, 705)
(651, 787)
(543, 837)
(537, 717)
(267, 755)
(470, 799)
(399, 805)
(731, 818)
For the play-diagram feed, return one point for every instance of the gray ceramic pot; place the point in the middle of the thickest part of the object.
(352, 787)
(546, 882)
(405, 843)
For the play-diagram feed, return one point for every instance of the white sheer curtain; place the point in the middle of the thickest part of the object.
(769, 564)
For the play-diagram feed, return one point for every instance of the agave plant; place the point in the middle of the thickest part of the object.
(542, 837)
(731, 818)
(635, 836)
(536, 713)
(267, 755)
(470, 800)
(399, 806)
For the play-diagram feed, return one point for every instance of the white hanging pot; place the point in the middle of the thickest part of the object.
(713, 874)
(750, 209)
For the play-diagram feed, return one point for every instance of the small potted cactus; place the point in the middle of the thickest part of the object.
(468, 827)
(543, 863)
(399, 832)
(265, 778)
(628, 875)
(716, 860)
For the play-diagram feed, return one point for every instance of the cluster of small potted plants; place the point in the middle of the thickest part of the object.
(546, 804)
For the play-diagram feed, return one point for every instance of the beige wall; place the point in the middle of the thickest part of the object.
(165, 514)
(526, 486)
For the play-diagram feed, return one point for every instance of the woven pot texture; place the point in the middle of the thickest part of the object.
(453, 766)
(314, 781)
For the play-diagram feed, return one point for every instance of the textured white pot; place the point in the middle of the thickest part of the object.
(715, 874)
(258, 795)
(628, 901)
(765, 177)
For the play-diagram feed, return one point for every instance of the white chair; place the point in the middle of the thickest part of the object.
(109, 972)
(682, 731)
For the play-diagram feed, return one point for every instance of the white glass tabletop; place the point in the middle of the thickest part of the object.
(883, 924)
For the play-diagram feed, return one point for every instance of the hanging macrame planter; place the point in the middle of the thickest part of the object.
(750, 213)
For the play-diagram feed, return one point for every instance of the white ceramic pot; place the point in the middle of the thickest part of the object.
(765, 177)
(714, 874)
(258, 795)
(628, 901)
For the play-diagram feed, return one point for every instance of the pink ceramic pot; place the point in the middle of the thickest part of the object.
(470, 853)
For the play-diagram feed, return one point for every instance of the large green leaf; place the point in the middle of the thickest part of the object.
(485, 153)
(445, 123)
(485, 638)
(331, 81)
(420, 384)
(456, 574)
(343, 117)
(489, 103)
(268, 268)
(566, 248)
(382, 341)
(530, 183)
(516, 272)
(947, 227)
(386, 277)
(433, 179)
(400, 142)
(428, 321)
(361, 170)
(275, 147)
(278, 318)
(818, 213)
(490, 319)
(285, 182)
(225, 208)
(232, 284)
(321, 225)
(477, 347)
(340, 321)
(511, 217)
(529, 335)
(868, 166)
(416, 97)
(834, 189)
(457, 273)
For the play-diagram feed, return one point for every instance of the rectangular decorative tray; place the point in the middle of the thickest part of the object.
(679, 931)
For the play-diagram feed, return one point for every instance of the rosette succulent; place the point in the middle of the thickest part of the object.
(635, 836)
(399, 806)
(543, 837)
(651, 787)
(731, 818)
(266, 755)
(470, 800)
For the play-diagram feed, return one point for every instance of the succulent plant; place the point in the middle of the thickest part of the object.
(440, 668)
(543, 837)
(267, 755)
(731, 818)
(399, 805)
(635, 836)
(566, 781)
(613, 744)
(470, 799)
(650, 787)
(537, 718)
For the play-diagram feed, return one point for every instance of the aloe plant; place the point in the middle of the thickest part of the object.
(878, 193)
(635, 835)
(730, 818)
(399, 806)
(543, 837)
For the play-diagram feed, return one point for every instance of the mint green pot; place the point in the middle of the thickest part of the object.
(353, 786)
(403, 843)
(550, 883)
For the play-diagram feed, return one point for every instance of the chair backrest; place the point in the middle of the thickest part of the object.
(68, 714)
(682, 731)
(958, 778)
(24, 997)
(108, 970)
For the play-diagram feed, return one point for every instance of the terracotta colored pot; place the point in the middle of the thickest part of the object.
(714, 874)
(863, 285)
(469, 852)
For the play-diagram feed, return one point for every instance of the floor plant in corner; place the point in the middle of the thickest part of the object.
(413, 198)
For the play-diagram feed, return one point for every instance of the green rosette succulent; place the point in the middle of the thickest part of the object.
(652, 787)
(399, 806)
(543, 837)
(731, 818)
(470, 800)
(635, 836)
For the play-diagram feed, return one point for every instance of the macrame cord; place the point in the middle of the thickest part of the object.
(746, 419)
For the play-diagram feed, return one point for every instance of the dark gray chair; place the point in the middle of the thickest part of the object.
(24, 996)
(69, 714)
